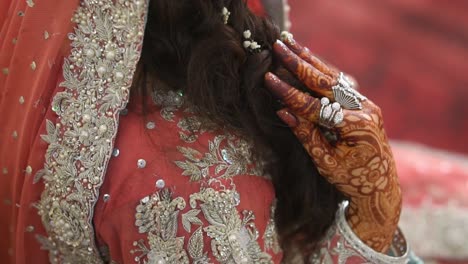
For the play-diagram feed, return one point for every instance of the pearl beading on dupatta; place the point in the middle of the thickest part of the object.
(98, 73)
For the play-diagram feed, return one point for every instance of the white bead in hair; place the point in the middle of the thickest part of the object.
(225, 13)
(285, 35)
(249, 43)
(247, 34)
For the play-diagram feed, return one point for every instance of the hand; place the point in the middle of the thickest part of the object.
(359, 161)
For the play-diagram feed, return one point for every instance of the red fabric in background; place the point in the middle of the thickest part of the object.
(256, 6)
(409, 56)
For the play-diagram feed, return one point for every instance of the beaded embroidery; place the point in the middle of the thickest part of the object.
(98, 73)
(233, 238)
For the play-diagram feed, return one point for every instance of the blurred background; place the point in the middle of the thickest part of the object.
(411, 58)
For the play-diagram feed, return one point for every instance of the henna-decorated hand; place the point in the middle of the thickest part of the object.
(359, 162)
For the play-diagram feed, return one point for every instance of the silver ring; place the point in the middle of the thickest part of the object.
(346, 95)
(331, 114)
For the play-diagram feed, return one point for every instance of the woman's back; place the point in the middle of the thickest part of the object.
(181, 190)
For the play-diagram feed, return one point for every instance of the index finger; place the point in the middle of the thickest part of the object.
(313, 78)
(298, 102)
(305, 54)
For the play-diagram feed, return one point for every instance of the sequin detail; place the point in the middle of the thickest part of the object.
(116, 152)
(150, 125)
(141, 163)
(80, 145)
(30, 3)
(28, 170)
(160, 184)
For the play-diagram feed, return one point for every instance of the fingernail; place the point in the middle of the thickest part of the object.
(281, 50)
(276, 86)
(287, 118)
(281, 44)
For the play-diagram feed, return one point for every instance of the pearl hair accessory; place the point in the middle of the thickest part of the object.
(225, 13)
(249, 43)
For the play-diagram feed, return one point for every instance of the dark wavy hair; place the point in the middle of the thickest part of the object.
(188, 47)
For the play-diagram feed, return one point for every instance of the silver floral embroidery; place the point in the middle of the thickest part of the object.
(228, 156)
(97, 76)
(233, 238)
(157, 216)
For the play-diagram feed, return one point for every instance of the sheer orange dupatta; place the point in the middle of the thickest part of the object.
(33, 42)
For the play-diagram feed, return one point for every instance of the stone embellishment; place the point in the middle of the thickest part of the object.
(233, 235)
(97, 74)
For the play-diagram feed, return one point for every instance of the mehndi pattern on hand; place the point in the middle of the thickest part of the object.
(359, 162)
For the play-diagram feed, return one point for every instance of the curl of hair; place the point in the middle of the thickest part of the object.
(187, 46)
